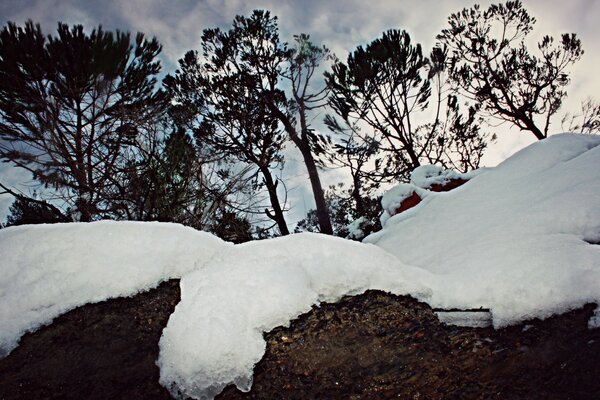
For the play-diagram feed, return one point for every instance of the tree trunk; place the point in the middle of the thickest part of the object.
(311, 167)
(277, 213)
(360, 208)
(315, 182)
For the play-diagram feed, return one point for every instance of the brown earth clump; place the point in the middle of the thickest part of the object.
(371, 346)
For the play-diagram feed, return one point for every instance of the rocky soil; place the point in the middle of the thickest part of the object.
(371, 346)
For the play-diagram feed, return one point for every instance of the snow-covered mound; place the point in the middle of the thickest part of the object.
(214, 337)
(516, 238)
(47, 270)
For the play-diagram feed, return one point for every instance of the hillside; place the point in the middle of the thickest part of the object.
(518, 241)
(370, 346)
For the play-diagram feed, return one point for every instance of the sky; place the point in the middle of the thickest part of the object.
(339, 24)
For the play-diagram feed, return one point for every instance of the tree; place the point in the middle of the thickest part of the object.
(587, 121)
(163, 183)
(251, 58)
(26, 210)
(229, 226)
(389, 87)
(304, 62)
(70, 104)
(492, 66)
(344, 212)
(354, 152)
(216, 104)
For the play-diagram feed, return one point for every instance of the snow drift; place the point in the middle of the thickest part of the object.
(517, 239)
(214, 337)
(48, 270)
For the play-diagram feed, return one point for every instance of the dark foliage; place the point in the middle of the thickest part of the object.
(492, 66)
(70, 104)
(246, 64)
(401, 97)
(27, 211)
(343, 210)
(217, 96)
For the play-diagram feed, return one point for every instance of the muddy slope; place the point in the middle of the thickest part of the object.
(372, 346)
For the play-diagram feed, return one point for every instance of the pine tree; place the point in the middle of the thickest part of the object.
(70, 104)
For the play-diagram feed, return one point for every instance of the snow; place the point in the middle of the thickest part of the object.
(392, 199)
(214, 337)
(512, 239)
(473, 319)
(421, 179)
(355, 228)
(425, 176)
(594, 321)
(48, 270)
(517, 239)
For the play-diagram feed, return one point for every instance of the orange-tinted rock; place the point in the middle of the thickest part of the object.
(408, 202)
(451, 184)
(415, 199)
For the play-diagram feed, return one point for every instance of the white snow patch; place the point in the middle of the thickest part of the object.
(516, 240)
(48, 270)
(473, 319)
(355, 228)
(393, 198)
(512, 239)
(214, 337)
(426, 176)
(594, 321)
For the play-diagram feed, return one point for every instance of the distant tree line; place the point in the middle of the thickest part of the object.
(86, 115)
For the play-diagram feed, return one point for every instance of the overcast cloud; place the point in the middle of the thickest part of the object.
(341, 25)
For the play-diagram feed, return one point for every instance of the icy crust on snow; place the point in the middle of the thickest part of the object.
(513, 238)
(215, 335)
(48, 270)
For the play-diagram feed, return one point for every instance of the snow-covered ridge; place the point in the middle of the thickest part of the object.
(515, 239)
(48, 270)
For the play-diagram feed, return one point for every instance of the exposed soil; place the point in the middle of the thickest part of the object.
(371, 346)
(99, 351)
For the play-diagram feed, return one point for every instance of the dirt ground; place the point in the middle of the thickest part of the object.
(371, 346)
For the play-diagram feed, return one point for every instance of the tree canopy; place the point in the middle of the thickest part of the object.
(70, 104)
(492, 65)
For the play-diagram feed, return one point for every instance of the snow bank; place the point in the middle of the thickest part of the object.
(48, 270)
(513, 239)
(425, 181)
(393, 198)
(215, 335)
(516, 239)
